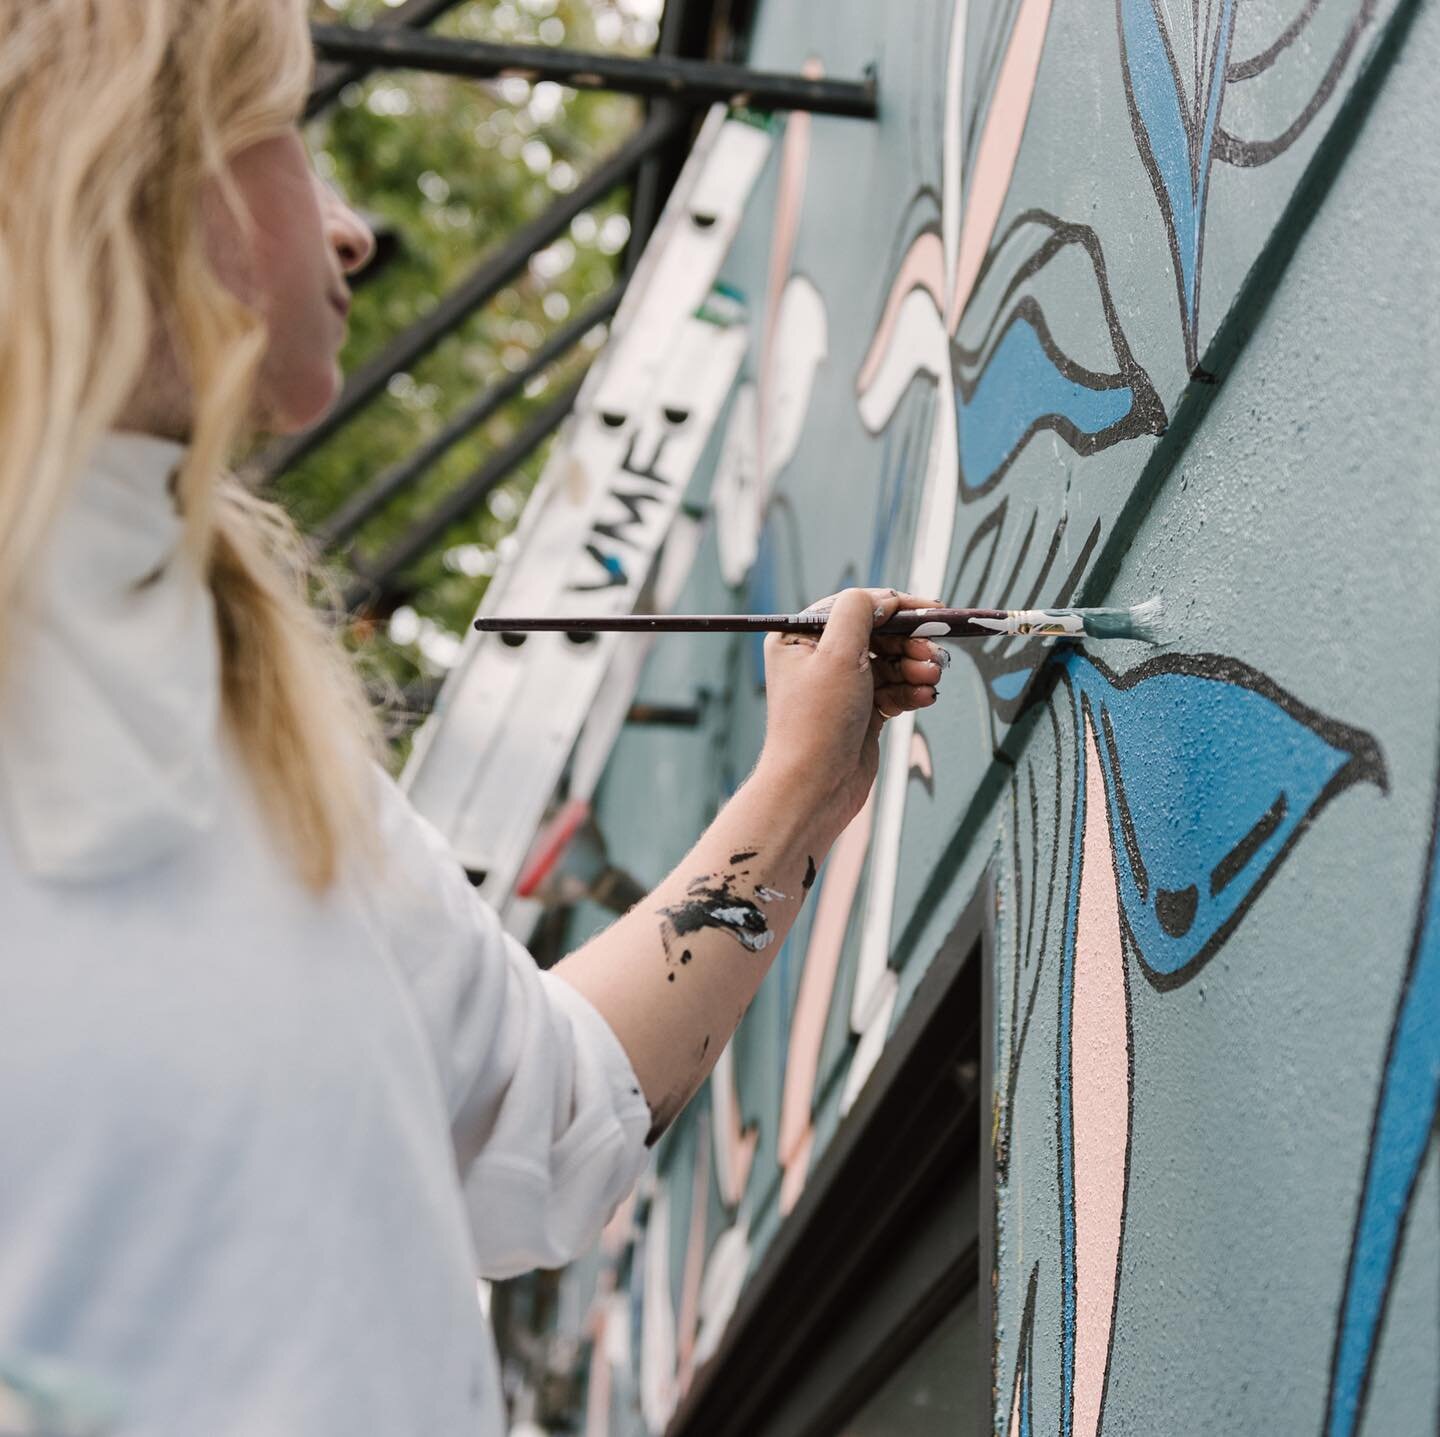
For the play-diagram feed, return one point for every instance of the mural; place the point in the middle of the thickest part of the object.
(1250, 768)
(1403, 1132)
(979, 330)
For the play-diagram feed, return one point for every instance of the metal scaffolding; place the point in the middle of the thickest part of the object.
(676, 86)
(689, 82)
(380, 490)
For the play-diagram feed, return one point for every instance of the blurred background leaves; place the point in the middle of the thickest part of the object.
(452, 168)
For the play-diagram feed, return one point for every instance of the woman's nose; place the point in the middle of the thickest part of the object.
(349, 236)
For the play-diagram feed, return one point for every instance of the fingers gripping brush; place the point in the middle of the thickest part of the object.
(1141, 622)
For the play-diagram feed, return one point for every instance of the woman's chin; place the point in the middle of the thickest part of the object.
(301, 402)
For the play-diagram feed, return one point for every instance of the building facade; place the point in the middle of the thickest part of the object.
(1096, 1086)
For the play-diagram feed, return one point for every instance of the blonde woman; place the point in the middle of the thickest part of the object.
(274, 1084)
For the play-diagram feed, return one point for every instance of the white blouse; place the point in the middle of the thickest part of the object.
(256, 1145)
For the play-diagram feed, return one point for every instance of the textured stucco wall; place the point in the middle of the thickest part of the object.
(1116, 299)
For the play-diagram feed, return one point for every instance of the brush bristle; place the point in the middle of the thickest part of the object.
(1140, 621)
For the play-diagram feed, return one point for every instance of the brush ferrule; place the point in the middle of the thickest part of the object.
(1035, 623)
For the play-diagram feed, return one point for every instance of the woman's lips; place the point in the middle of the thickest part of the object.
(340, 303)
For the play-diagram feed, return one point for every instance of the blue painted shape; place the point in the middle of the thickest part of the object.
(1212, 773)
(1179, 149)
(1402, 1132)
(1020, 389)
(1011, 685)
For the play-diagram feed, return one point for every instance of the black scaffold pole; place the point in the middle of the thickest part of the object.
(693, 82)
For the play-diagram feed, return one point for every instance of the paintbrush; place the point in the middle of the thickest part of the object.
(1137, 622)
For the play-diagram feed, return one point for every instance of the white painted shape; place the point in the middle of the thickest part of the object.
(929, 631)
(918, 345)
(872, 966)
(735, 492)
(801, 344)
(871, 1045)
(935, 522)
(617, 1331)
(724, 1104)
(657, 1323)
(953, 144)
(721, 1286)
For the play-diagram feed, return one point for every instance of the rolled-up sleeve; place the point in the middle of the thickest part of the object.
(547, 1116)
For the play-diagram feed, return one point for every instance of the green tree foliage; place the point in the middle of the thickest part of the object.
(454, 167)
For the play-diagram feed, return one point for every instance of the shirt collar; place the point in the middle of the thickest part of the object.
(110, 705)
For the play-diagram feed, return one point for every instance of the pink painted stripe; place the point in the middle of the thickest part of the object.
(998, 148)
(1100, 1094)
(738, 1142)
(812, 1002)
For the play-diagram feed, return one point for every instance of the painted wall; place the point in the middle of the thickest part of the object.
(1118, 298)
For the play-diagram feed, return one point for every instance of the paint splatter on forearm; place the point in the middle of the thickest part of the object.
(717, 901)
(730, 902)
(720, 901)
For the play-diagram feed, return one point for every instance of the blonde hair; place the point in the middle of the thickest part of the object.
(115, 115)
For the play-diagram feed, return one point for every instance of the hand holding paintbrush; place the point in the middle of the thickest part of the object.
(1138, 622)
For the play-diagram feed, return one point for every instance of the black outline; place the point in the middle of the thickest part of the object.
(994, 658)
(1175, 908)
(1017, 1047)
(1034, 856)
(1259, 63)
(1225, 872)
(1200, 193)
(1249, 153)
(1147, 412)
(1022, 555)
(1152, 169)
(1127, 821)
(995, 520)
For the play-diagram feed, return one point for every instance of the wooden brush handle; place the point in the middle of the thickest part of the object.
(923, 623)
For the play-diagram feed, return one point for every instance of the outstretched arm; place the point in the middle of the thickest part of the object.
(675, 974)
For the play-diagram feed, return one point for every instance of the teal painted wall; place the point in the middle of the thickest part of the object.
(1116, 299)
